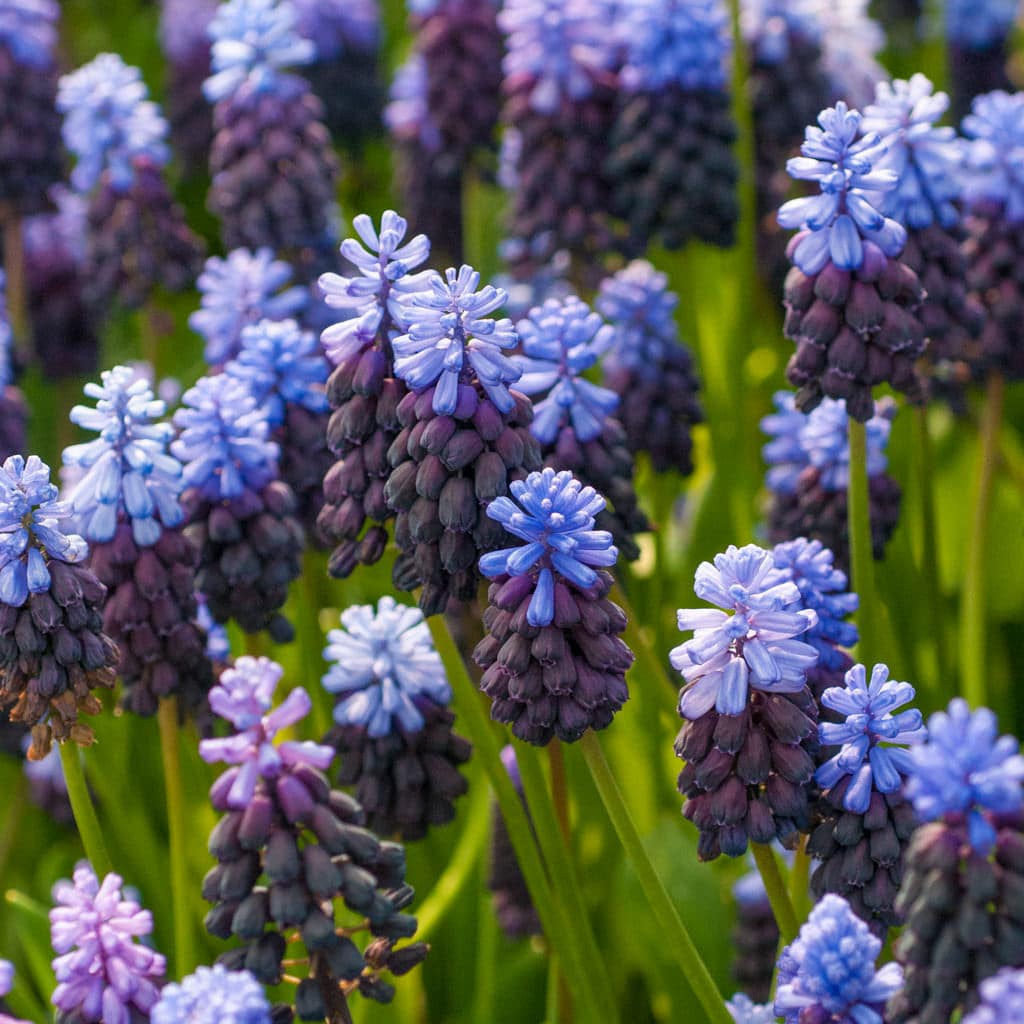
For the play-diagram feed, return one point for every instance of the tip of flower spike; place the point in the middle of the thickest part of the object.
(994, 153)
(213, 995)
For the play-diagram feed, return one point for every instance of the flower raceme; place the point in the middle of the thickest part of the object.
(213, 995)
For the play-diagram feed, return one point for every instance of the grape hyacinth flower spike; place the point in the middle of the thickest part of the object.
(284, 368)
(53, 651)
(927, 160)
(213, 995)
(829, 972)
(850, 302)
(979, 34)
(13, 407)
(393, 722)
(289, 848)
(809, 466)
(345, 68)
(649, 367)
(554, 662)
(864, 822)
(749, 735)
(127, 504)
(31, 154)
(103, 973)
(560, 80)
(575, 423)
(137, 239)
(993, 204)
(273, 168)
(464, 435)
(671, 167)
(240, 516)
(185, 41)
(964, 869)
(362, 388)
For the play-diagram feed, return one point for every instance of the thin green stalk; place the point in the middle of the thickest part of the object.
(560, 797)
(558, 926)
(677, 938)
(486, 962)
(778, 895)
(799, 882)
(177, 826)
(17, 799)
(14, 279)
(312, 645)
(83, 810)
(972, 603)
(648, 663)
(862, 559)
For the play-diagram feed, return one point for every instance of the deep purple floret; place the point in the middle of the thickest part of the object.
(846, 212)
(243, 696)
(334, 26)
(554, 513)
(103, 974)
(872, 719)
(966, 769)
(561, 340)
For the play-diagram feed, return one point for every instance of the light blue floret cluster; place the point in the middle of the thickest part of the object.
(28, 28)
(213, 995)
(994, 154)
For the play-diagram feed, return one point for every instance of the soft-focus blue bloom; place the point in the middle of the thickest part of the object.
(871, 719)
(334, 26)
(834, 979)
(753, 646)
(547, 281)
(966, 768)
(6, 977)
(103, 974)
(1002, 998)
(243, 696)
(109, 122)
(559, 48)
(30, 529)
(926, 158)
(6, 337)
(561, 340)
(449, 335)
(846, 212)
(769, 25)
(850, 41)
(745, 1011)
(675, 42)
(637, 302)
(213, 995)
(808, 563)
(28, 28)
(384, 664)
(183, 28)
(127, 469)
(58, 234)
(784, 453)
(555, 516)
(218, 645)
(385, 262)
(980, 24)
(242, 288)
(994, 154)
(282, 365)
(407, 114)
(253, 42)
(223, 442)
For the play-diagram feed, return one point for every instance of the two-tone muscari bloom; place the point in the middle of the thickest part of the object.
(244, 696)
(213, 995)
(28, 28)
(126, 471)
(450, 334)
(872, 719)
(752, 645)
(966, 770)
(109, 122)
(240, 289)
(847, 211)
(31, 531)
(994, 154)
(384, 663)
(828, 973)
(1001, 998)
(555, 517)
(561, 340)
(253, 42)
(103, 973)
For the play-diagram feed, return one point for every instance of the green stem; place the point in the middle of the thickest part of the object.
(177, 826)
(972, 608)
(560, 797)
(14, 281)
(778, 896)
(799, 882)
(16, 800)
(486, 961)
(862, 559)
(559, 928)
(647, 664)
(676, 937)
(83, 810)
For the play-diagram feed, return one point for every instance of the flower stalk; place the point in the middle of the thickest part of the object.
(85, 814)
(862, 560)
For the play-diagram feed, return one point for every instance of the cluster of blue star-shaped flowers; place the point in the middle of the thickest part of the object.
(28, 29)
(994, 154)
(127, 471)
(110, 123)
